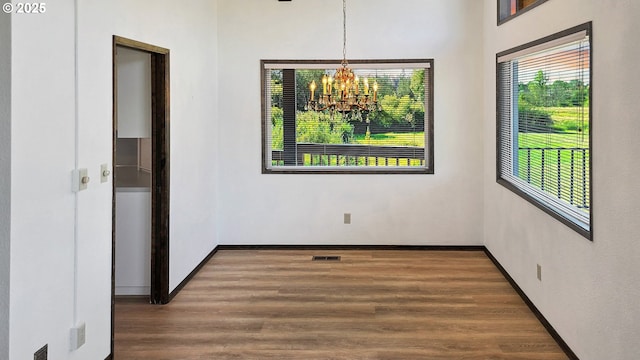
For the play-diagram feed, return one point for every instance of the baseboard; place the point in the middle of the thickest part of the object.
(356, 247)
(192, 274)
(132, 298)
(554, 334)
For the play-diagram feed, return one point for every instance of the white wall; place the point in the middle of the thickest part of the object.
(5, 180)
(42, 204)
(589, 290)
(58, 282)
(440, 209)
(188, 31)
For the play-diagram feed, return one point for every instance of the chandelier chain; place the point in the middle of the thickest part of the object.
(344, 32)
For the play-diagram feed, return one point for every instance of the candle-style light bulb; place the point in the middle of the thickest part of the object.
(324, 84)
(329, 84)
(357, 82)
(312, 87)
(375, 91)
(366, 86)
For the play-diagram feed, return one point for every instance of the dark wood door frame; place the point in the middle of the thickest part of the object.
(159, 168)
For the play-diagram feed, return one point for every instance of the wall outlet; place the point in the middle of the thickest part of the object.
(41, 354)
(539, 272)
(347, 218)
(78, 336)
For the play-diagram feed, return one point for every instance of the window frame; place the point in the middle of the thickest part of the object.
(545, 206)
(502, 20)
(428, 168)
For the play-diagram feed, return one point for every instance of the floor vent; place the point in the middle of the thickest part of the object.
(326, 258)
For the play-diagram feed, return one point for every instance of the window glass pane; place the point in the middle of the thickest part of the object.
(389, 133)
(508, 9)
(276, 109)
(553, 122)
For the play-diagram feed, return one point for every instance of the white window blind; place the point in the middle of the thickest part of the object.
(543, 130)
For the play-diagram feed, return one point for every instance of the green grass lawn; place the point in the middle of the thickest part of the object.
(565, 173)
(556, 140)
(568, 119)
(393, 139)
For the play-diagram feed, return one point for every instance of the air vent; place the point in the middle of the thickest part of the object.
(326, 258)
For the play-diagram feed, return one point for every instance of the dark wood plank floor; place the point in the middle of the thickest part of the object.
(268, 304)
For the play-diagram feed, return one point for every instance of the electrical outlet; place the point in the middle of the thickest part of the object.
(347, 218)
(539, 272)
(78, 336)
(42, 353)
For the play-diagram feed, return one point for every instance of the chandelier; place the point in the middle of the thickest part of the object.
(342, 91)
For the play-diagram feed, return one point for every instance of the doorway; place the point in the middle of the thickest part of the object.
(141, 160)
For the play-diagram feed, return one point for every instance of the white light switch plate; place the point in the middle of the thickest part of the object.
(104, 173)
(80, 179)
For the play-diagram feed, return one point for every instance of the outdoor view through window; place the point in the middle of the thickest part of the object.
(544, 125)
(388, 135)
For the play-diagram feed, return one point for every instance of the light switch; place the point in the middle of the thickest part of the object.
(83, 176)
(80, 179)
(104, 173)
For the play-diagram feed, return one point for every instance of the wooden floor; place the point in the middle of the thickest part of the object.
(269, 304)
